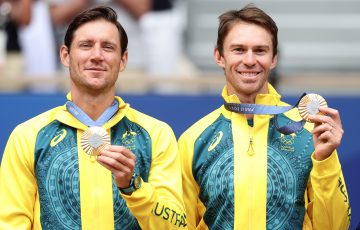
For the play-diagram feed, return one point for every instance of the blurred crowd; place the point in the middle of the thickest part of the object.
(34, 30)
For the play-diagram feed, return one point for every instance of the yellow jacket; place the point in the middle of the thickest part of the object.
(240, 174)
(49, 182)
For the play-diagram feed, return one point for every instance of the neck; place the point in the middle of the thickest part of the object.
(247, 99)
(93, 106)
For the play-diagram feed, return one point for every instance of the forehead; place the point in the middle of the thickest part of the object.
(247, 34)
(98, 30)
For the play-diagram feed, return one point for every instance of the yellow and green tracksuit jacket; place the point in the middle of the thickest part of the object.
(49, 182)
(240, 174)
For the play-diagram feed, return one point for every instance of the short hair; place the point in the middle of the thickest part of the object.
(249, 14)
(93, 14)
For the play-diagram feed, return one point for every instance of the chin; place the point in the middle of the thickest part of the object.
(250, 90)
(95, 85)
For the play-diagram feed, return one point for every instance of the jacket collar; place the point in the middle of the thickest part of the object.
(67, 118)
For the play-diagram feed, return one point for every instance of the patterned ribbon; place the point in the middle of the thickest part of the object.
(287, 129)
(86, 120)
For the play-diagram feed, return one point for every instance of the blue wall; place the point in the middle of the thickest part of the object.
(181, 111)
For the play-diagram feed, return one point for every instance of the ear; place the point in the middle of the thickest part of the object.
(218, 58)
(274, 62)
(65, 56)
(123, 61)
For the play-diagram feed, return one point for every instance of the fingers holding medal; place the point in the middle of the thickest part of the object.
(95, 141)
(120, 161)
(310, 104)
(327, 132)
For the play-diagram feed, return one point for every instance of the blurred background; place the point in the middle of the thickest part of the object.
(171, 74)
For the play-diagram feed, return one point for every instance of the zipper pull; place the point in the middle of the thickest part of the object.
(250, 150)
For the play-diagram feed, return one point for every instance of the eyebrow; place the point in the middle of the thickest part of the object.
(109, 43)
(266, 47)
(102, 42)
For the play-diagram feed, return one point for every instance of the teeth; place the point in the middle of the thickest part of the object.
(248, 74)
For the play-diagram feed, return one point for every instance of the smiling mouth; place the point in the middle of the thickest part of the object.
(248, 74)
(95, 69)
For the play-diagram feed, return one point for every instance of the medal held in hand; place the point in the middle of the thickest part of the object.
(94, 140)
(307, 104)
(310, 104)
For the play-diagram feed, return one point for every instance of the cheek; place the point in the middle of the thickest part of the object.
(111, 59)
(81, 56)
(233, 61)
(267, 63)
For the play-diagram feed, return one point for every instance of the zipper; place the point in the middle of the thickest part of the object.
(250, 150)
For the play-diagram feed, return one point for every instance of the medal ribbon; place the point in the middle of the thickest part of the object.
(86, 120)
(268, 109)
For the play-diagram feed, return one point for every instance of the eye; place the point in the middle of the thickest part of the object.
(109, 47)
(84, 45)
(261, 51)
(239, 50)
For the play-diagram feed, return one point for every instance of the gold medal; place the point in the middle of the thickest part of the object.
(94, 140)
(310, 104)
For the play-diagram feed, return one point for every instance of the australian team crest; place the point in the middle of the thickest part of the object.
(287, 142)
(128, 139)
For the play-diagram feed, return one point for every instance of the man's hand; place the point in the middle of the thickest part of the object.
(327, 132)
(120, 161)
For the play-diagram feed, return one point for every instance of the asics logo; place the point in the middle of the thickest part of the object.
(59, 136)
(215, 141)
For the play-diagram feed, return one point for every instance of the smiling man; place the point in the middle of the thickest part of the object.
(93, 163)
(241, 169)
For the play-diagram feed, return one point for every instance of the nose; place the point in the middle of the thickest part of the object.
(97, 53)
(249, 58)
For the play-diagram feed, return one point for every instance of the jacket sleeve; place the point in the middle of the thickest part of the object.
(327, 201)
(18, 185)
(194, 207)
(158, 204)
